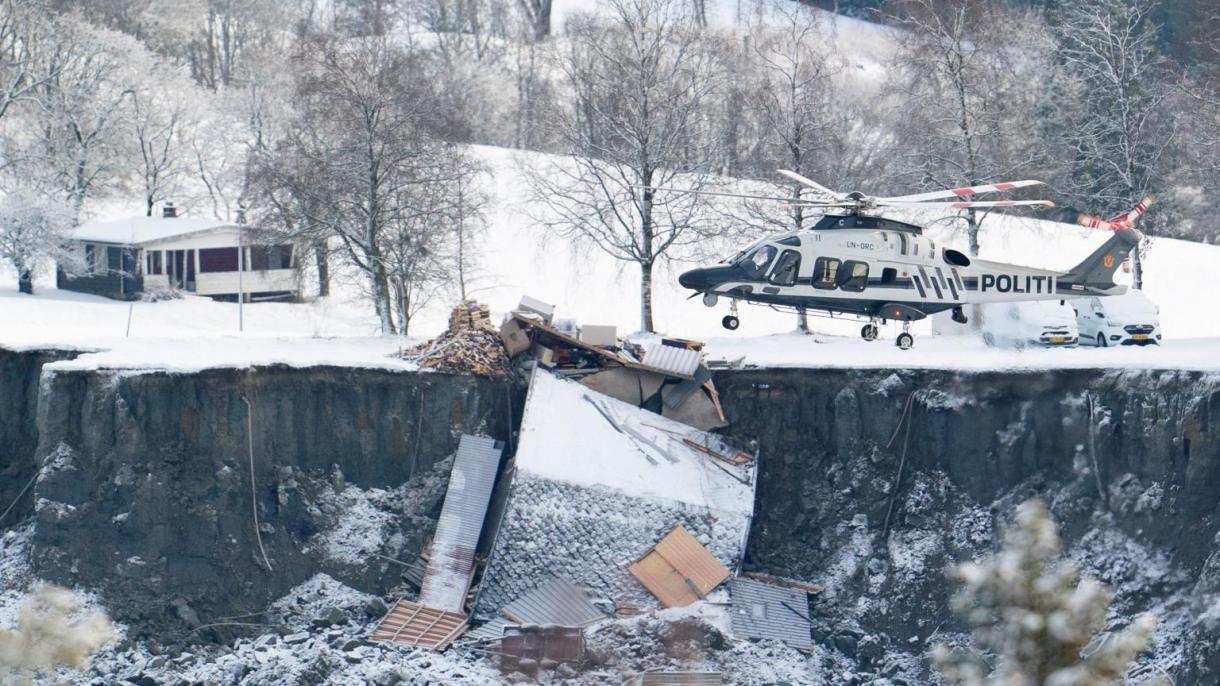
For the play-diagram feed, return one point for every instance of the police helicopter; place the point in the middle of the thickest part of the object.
(853, 262)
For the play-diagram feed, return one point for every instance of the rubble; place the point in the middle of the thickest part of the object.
(471, 345)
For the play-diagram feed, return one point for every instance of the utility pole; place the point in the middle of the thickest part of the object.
(241, 267)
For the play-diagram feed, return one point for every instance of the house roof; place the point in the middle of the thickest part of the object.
(139, 230)
(765, 611)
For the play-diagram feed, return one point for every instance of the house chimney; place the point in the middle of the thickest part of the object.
(168, 211)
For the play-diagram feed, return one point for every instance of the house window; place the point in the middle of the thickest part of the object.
(154, 262)
(218, 260)
(270, 257)
(785, 268)
(114, 259)
(825, 272)
(854, 276)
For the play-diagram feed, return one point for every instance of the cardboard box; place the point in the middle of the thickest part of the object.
(516, 341)
(546, 311)
(602, 336)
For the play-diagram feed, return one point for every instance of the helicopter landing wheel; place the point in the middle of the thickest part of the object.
(905, 341)
(868, 332)
(730, 322)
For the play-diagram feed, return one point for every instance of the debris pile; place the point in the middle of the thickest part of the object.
(469, 346)
(666, 375)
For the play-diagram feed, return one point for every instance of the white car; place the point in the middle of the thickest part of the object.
(1127, 319)
(1050, 323)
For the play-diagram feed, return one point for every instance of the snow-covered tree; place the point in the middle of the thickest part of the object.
(966, 72)
(1117, 125)
(33, 231)
(51, 633)
(1035, 621)
(634, 122)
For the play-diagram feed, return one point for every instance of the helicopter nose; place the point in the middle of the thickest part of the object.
(695, 279)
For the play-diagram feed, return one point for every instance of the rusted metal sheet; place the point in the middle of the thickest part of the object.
(763, 611)
(679, 570)
(537, 643)
(447, 578)
(414, 624)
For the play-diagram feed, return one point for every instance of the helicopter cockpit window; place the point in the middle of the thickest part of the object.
(756, 263)
(786, 268)
(854, 275)
(826, 272)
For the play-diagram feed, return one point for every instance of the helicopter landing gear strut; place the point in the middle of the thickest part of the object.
(959, 316)
(869, 331)
(731, 322)
(905, 339)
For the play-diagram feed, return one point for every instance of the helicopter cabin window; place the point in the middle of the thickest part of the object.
(757, 262)
(854, 276)
(826, 272)
(889, 275)
(785, 268)
(902, 239)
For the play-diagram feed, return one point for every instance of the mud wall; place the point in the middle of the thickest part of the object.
(1129, 462)
(19, 374)
(146, 489)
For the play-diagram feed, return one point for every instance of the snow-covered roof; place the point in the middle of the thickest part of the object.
(138, 230)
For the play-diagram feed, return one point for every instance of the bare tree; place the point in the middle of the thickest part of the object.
(634, 123)
(964, 77)
(795, 102)
(537, 14)
(1119, 129)
(360, 166)
(158, 118)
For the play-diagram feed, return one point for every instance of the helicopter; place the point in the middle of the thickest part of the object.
(856, 263)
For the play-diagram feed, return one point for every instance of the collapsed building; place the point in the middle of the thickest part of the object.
(618, 500)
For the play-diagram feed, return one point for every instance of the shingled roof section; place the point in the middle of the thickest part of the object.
(762, 611)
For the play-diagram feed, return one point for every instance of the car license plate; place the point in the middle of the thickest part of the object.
(1140, 337)
(1057, 339)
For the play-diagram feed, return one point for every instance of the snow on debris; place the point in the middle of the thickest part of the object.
(363, 524)
(590, 535)
(565, 437)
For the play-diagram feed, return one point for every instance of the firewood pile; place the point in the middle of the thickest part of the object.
(471, 345)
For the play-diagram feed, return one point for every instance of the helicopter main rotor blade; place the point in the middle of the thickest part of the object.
(718, 193)
(966, 204)
(963, 192)
(811, 183)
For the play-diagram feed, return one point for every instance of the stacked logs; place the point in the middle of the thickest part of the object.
(470, 346)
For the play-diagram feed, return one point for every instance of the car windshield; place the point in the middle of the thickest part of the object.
(755, 264)
(1131, 304)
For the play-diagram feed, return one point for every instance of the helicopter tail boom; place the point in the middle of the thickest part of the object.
(1095, 274)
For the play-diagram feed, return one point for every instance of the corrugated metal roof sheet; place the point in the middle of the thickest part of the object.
(447, 578)
(763, 611)
(558, 601)
(679, 570)
(414, 624)
(681, 361)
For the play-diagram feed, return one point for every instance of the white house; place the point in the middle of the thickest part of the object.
(125, 257)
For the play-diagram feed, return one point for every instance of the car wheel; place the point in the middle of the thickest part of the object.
(1101, 340)
(989, 339)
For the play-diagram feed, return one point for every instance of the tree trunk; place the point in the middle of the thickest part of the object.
(972, 232)
(802, 320)
(322, 262)
(1137, 267)
(25, 281)
(646, 297)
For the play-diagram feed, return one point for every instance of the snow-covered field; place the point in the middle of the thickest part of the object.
(517, 258)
